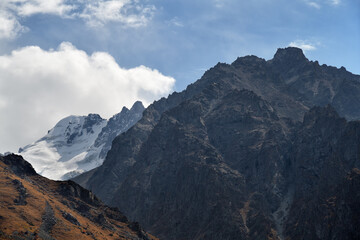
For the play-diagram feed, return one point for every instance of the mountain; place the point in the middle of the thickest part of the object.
(34, 207)
(255, 149)
(78, 143)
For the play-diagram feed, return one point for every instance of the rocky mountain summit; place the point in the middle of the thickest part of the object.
(255, 149)
(78, 143)
(34, 207)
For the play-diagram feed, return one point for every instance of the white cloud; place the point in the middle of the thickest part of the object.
(176, 22)
(31, 7)
(39, 87)
(313, 4)
(130, 13)
(318, 3)
(219, 3)
(10, 28)
(304, 45)
(335, 2)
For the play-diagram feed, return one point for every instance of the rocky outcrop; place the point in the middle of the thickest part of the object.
(48, 222)
(119, 123)
(21, 199)
(71, 218)
(243, 153)
(18, 165)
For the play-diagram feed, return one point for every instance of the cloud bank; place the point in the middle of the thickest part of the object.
(129, 13)
(39, 87)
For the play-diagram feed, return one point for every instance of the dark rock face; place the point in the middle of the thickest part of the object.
(90, 121)
(72, 190)
(243, 153)
(326, 157)
(117, 124)
(18, 165)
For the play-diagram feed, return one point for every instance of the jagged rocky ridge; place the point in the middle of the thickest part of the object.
(78, 143)
(243, 153)
(34, 207)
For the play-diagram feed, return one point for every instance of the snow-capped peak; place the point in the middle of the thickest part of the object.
(78, 143)
(59, 151)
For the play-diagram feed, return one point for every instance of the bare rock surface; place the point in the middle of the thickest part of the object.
(255, 149)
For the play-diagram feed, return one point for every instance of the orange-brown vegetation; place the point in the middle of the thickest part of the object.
(90, 219)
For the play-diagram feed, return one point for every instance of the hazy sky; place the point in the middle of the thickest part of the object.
(63, 57)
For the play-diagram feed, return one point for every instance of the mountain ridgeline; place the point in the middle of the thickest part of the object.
(255, 149)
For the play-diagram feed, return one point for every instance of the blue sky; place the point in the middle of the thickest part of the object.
(175, 41)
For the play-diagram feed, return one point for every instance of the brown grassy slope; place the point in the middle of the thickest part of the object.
(34, 207)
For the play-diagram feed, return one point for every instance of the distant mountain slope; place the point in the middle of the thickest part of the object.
(243, 153)
(78, 143)
(33, 207)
